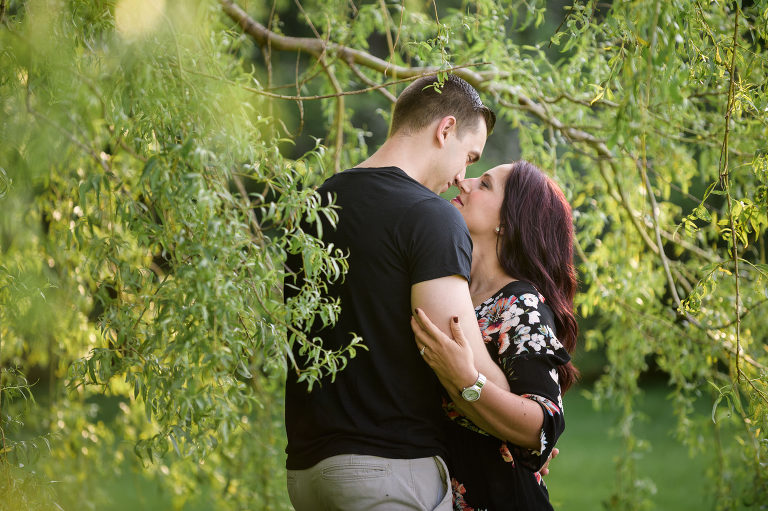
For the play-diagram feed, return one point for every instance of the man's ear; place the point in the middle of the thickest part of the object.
(444, 127)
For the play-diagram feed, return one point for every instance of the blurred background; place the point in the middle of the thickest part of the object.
(155, 157)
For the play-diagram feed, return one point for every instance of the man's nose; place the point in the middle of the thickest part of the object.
(462, 184)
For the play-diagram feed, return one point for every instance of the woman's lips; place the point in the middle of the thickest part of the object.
(457, 201)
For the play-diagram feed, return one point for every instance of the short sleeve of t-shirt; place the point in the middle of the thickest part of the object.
(435, 241)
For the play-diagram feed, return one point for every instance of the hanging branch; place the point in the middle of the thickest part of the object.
(725, 182)
(257, 235)
(338, 120)
(642, 165)
(655, 215)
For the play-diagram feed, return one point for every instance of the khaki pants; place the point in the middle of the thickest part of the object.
(356, 482)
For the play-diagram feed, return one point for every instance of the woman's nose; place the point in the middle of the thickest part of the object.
(462, 185)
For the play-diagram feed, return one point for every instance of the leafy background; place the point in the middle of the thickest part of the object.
(155, 158)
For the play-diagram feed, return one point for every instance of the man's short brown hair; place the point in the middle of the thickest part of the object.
(426, 100)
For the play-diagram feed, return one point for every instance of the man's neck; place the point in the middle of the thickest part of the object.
(404, 152)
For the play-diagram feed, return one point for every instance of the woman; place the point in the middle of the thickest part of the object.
(522, 286)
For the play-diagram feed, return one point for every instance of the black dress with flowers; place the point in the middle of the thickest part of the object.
(487, 473)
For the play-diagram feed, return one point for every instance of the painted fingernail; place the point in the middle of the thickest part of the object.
(455, 319)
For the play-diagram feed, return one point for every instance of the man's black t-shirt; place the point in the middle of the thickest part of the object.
(387, 401)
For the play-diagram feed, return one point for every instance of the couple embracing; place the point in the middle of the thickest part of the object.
(466, 309)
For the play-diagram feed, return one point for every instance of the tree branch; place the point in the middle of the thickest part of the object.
(355, 69)
(726, 184)
(263, 92)
(338, 121)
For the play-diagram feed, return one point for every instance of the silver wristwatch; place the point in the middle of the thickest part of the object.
(472, 393)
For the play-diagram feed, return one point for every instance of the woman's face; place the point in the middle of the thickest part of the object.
(480, 198)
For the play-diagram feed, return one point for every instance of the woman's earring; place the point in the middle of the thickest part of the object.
(498, 229)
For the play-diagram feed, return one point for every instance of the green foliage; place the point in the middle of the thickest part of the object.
(151, 198)
(152, 182)
(20, 486)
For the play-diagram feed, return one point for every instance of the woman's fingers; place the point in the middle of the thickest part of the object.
(458, 333)
(416, 327)
(430, 334)
(545, 469)
(424, 321)
(430, 328)
(422, 338)
(421, 335)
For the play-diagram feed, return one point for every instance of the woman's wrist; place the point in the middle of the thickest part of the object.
(467, 379)
(455, 384)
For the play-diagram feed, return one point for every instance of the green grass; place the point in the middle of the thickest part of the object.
(584, 475)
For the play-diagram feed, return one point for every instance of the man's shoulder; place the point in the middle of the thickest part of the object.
(387, 177)
(436, 206)
(386, 186)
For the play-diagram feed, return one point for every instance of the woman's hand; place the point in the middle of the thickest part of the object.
(498, 412)
(452, 360)
(544, 471)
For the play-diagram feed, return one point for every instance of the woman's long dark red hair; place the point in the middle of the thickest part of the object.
(536, 245)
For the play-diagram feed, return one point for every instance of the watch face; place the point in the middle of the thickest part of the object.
(471, 394)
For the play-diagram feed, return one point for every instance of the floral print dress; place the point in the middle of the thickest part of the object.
(488, 474)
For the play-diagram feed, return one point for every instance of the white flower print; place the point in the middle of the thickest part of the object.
(520, 343)
(543, 444)
(515, 310)
(533, 317)
(555, 343)
(523, 330)
(537, 342)
(530, 300)
(560, 398)
(553, 374)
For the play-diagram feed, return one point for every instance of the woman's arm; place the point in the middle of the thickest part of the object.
(499, 412)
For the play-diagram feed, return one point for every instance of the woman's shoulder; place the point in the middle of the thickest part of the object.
(518, 317)
(517, 293)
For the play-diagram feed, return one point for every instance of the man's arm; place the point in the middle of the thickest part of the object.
(442, 299)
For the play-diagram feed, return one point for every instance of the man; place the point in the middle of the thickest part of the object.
(372, 438)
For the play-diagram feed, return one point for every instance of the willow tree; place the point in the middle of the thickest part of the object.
(154, 164)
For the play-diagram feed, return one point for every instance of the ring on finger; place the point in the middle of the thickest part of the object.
(421, 351)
